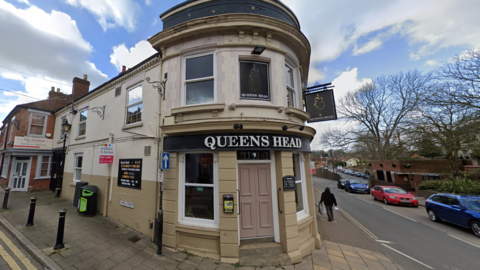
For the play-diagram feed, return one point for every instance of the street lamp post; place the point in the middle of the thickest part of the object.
(65, 128)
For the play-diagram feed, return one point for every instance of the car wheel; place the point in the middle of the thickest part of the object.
(475, 226)
(351, 190)
(385, 201)
(373, 197)
(433, 216)
(416, 206)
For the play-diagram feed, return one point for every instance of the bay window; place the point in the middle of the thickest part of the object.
(289, 73)
(199, 79)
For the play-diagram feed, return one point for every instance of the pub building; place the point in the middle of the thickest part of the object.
(215, 120)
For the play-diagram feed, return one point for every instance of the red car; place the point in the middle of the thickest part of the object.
(393, 195)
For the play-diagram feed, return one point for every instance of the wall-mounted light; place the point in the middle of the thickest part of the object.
(238, 126)
(301, 128)
(258, 49)
(16, 123)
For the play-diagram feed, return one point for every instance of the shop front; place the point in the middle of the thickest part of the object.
(224, 190)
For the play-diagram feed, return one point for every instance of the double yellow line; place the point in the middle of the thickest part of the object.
(357, 223)
(10, 261)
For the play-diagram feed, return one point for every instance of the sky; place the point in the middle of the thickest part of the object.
(47, 43)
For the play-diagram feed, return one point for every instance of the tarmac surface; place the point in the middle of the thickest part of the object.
(101, 243)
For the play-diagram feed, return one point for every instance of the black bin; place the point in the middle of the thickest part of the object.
(78, 191)
(87, 205)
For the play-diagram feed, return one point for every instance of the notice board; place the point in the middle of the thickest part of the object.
(130, 173)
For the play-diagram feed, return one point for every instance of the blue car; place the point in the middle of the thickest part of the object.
(357, 186)
(462, 210)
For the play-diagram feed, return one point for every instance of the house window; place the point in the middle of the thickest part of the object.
(82, 123)
(289, 73)
(134, 104)
(199, 79)
(300, 193)
(254, 80)
(44, 167)
(6, 162)
(199, 189)
(12, 126)
(37, 124)
(77, 174)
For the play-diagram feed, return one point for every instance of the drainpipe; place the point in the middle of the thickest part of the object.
(4, 147)
(109, 179)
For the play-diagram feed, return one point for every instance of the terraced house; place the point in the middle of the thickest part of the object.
(223, 98)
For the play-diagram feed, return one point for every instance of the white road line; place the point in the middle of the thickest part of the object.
(383, 241)
(399, 214)
(408, 256)
(464, 241)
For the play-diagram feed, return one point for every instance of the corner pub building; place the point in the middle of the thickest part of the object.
(225, 101)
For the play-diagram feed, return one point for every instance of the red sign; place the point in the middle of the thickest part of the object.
(106, 159)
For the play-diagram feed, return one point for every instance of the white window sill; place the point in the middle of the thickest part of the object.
(302, 215)
(80, 137)
(199, 108)
(199, 224)
(139, 124)
(297, 113)
(35, 136)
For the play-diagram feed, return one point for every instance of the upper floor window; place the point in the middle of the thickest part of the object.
(289, 74)
(254, 80)
(199, 79)
(82, 123)
(134, 104)
(37, 123)
(10, 138)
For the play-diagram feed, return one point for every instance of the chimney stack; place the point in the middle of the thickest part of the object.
(85, 77)
(124, 68)
(58, 90)
(81, 86)
(53, 89)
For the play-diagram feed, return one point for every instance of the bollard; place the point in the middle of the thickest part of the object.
(33, 201)
(159, 232)
(61, 229)
(5, 199)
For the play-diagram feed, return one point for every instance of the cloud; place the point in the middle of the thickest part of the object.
(122, 56)
(432, 63)
(155, 21)
(347, 81)
(148, 2)
(24, 1)
(334, 29)
(47, 45)
(111, 14)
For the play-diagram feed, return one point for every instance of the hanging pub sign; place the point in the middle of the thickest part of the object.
(130, 173)
(254, 80)
(321, 106)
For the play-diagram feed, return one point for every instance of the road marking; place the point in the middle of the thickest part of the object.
(383, 241)
(357, 223)
(464, 241)
(10, 261)
(399, 214)
(17, 252)
(408, 256)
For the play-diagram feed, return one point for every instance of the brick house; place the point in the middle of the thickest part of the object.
(26, 156)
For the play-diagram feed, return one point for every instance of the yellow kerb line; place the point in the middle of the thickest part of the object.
(3, 253)
(17, 252)
(358, 223)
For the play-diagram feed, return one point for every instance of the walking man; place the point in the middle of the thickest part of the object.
(329, 200)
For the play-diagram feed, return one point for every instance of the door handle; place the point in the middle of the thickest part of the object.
(278, 202)
(238, 194)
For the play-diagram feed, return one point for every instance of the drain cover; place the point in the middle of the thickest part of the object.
(134, 239)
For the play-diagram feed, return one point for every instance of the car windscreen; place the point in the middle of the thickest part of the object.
(356, 182)
(343, 181)
(395, 190)
(472, 204)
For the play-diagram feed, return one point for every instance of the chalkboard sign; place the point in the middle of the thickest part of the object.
(130, 173)
(289, 183)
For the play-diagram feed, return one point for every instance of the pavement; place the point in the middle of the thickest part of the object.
(101, 243)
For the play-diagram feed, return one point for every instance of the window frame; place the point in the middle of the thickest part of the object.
(184, 75)
(75, 168)
(38, 173)
(291, 88)
(304, 213)
(11, 125)
(133, 104)
(6, 163)
(182, 219)
(39, 113)
(82, 122)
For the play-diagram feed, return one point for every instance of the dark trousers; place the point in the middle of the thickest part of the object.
(329, 209)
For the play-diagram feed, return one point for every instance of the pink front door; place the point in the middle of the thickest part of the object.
(256, 214)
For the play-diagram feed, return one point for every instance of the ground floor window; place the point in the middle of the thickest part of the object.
(6, 162)
(77, 175)
(44, 167)
(199, 188)
(300, 192)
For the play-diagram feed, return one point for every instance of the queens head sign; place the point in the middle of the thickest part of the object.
(320, 105)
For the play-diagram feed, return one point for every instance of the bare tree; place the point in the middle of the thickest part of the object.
(379, 109)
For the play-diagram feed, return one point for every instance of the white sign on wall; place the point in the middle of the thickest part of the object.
(107, 153)
(126, 204)
(32, 143)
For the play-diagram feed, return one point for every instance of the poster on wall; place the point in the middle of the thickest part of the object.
(321, 106)
(130, 173)
(254, 80)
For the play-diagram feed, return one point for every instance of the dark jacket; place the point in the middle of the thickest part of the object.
(328, 198)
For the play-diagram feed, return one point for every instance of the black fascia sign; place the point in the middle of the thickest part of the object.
(289, 183)
(130, 173)
(321, 106)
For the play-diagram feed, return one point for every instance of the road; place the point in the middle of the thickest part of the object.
(13, 255)
(406, 234)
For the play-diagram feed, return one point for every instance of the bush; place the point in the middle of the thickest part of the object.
(430, 185)
(457, 186)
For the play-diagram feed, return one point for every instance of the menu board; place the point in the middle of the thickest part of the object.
(289, 183)
(130, 173)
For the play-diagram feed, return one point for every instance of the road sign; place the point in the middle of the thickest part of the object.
(107, 153)
(165, 161)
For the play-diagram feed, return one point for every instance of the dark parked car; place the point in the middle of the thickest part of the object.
(341, 183)
(462, 210)
(354, 185)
